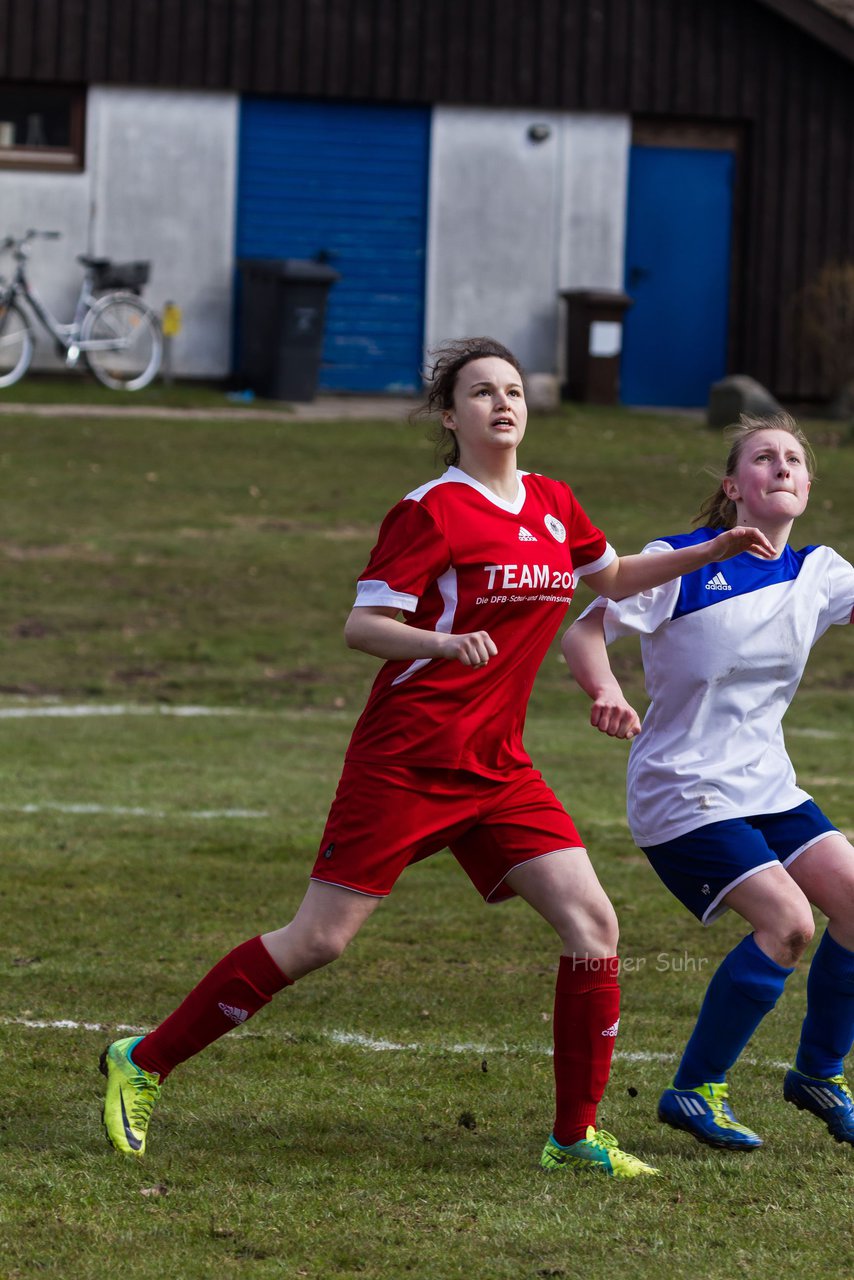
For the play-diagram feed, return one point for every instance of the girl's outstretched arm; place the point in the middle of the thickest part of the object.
(627, 575)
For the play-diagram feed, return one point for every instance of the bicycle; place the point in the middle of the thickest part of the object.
(117, 333)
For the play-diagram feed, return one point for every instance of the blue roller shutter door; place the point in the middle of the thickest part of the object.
(348, 183)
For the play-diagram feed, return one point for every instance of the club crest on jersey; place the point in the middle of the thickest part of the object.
(556, 528)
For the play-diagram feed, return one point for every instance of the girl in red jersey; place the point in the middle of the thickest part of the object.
(482, 562)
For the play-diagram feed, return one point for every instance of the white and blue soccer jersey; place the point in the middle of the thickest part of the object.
(724, 649)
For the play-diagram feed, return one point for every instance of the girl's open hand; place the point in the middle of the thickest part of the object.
(742, 538)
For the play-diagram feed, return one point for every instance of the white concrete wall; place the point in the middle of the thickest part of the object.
(165, 174)
(513, 221)
(159, 183)
(595, 173)
(48, 202)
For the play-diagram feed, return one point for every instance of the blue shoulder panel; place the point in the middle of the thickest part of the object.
(726, 579)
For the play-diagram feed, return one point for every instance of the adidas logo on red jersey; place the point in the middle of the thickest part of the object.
(234, 1014)
(524, 535)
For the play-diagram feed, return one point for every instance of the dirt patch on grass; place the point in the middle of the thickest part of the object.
(137, 675)
(293, 675)
(64, 551)
(32, 629)
(25, 690)
(297, 528)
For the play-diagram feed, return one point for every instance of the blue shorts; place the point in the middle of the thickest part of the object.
(701, 867)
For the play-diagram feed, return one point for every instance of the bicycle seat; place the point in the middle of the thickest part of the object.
(105, 274)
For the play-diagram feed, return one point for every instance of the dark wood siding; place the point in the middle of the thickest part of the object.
(738, 61)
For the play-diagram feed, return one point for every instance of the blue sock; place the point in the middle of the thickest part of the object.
(828, 1029)
(744, 988)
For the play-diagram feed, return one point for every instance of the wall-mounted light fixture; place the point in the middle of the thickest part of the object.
(539, 132)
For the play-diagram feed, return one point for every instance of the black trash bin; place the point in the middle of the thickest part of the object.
(282, 314)
(594, 333)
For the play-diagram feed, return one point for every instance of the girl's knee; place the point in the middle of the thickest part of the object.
(797, 941)
(800, 928)
(300, 947)
(323, 947)
(840, 909)
(790, 941)
(590, 928)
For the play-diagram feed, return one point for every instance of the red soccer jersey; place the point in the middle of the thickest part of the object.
(458, 559)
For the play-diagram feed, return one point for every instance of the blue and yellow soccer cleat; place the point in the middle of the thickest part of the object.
(131, 1097)
(831, 1100)
(705, 1113)
(596, 1153)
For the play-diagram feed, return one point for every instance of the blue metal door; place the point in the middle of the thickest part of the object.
(677, 272)
(348, 183)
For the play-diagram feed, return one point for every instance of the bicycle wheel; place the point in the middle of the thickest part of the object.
(129, 348)
(16, 344)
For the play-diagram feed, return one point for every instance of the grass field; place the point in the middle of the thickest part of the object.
(81, 388)
(175, 699)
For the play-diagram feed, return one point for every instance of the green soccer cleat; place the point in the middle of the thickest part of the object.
(131, 1096)
(596, 1153)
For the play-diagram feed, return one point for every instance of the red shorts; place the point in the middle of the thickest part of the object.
(384, 817)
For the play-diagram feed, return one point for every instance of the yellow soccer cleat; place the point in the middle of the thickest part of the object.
(131, 1097)
(598, 1152)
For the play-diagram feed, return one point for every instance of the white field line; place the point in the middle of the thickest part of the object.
(73, 711)
(353, 1039)
(69, 1024)
(118, 811)
(384, 1046)
(829, 734)
(82, 710)
(57, 710)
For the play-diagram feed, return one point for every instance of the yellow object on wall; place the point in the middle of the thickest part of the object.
(170, 321)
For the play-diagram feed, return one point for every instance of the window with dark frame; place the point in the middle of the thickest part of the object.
(41, 126)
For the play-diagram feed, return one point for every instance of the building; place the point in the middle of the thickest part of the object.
(460, 162)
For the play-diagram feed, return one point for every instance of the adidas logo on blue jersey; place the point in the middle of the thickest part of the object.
(718, 583)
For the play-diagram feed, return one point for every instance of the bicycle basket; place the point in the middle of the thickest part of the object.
(121, 275)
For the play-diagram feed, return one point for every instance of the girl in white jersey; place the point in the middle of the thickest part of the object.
(482, 564)
(712, 796)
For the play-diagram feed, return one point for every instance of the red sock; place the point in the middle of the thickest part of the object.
(586, 1017)
(241, 984)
